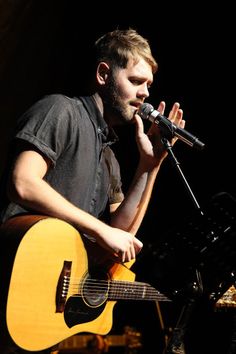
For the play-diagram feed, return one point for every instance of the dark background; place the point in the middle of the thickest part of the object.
(45, 48)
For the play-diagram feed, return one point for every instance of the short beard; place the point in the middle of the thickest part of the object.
(114, 106)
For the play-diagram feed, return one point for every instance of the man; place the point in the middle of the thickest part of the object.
(62, 162)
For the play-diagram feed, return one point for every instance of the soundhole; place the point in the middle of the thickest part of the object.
(95, 288)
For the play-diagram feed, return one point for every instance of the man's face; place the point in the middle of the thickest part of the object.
(126, 89)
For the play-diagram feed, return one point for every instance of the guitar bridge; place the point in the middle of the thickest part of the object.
(63, 286)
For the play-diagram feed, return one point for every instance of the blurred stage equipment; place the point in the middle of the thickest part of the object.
(197, 259)
(199, 256)
(129, 342)
(228, 300)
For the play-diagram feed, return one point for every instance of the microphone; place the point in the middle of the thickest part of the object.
(167, 128)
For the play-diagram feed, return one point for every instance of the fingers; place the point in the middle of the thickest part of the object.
(125, 256)
(138, 245)
(161, 107)
(182, 123)
(130, 252)
(176, 115)
(174, 111)
(139, 125)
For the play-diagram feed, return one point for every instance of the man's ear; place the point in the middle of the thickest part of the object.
(102, 73)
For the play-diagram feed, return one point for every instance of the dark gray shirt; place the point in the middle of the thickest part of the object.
(72, 133)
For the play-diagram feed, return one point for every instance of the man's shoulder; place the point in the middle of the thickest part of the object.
(57, 102)
(58, 98)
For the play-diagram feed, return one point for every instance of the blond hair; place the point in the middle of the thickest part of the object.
(118, 46)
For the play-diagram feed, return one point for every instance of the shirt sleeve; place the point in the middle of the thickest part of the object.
(48, 125)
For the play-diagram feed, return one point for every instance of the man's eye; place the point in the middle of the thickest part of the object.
(136, 82)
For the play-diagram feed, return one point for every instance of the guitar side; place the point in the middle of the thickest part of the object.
(34, 318)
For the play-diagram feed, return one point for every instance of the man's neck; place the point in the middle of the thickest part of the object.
(98, 102)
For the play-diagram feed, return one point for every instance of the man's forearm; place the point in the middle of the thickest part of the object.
(130, 213)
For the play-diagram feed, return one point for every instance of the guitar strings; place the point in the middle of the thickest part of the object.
(116, 290)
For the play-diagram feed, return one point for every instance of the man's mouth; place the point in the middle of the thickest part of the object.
(136, 105)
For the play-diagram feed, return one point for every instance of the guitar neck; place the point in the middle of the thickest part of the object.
(122, 290)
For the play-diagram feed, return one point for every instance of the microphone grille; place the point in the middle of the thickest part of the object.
(145, 110)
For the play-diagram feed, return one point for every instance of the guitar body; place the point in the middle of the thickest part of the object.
(48, 299)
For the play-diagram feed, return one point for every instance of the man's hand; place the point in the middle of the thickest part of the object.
(150, 146)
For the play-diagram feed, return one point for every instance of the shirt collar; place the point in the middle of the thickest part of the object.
(108, 135)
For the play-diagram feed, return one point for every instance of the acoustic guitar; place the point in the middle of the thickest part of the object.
(60, 283)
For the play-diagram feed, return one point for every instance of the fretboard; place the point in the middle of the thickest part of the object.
(123, 290)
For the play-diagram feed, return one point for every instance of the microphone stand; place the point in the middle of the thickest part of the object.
(175, 344)
(176, 163)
